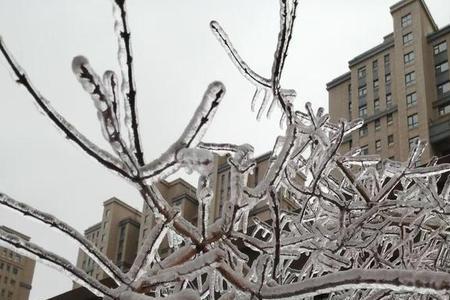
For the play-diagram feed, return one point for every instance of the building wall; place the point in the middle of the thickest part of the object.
(116, 236)
(16, 272)
(383, 89)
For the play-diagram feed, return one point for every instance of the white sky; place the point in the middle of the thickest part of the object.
(176, 56)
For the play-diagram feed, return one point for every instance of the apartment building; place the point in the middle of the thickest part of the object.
(123, 228)
(400, 88)
(16, 272)
(116, 236)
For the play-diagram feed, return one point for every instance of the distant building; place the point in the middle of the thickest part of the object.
(400, 88)
(16, 272)
(120, 220)
(116, 236)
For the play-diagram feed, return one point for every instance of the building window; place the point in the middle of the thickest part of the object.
(375, 66)
(409, 57)
(387, 59)
(362, 72)
(388, 100)
(443, 88)
(363, 130)
(444, 109)
(376, 84)
(350, 108)
(413, 121)
(378, 145)
(365, 150)
(377, 124)
(407, 38)
(390, 119)
(439, 48)
(363, 111)
(410, 78)
(442, 67)
(413, 142)
(362, 91)
(406, 20)
(411, 99)
(376, 105)
(390, 140)
(387, 78)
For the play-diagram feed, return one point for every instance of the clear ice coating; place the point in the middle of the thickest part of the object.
(357, 227)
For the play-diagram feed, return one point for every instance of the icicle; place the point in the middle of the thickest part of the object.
(255, 98)
(265, 102)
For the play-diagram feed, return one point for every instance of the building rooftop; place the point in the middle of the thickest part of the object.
(437, 34)
(388, 41)
(338, 80)
(12, 231)
(402, 3)
(123, 204)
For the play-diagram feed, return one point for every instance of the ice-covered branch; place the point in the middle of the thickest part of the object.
(148, 250)
(128, 86)
(240, 64)
(110, 268)
(68, 129)
(166, 164)
(33, 251)
(310, 220)
(106, 105)
(188, 270)
(424, 282)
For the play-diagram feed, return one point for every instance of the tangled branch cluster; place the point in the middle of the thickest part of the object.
(362, 227)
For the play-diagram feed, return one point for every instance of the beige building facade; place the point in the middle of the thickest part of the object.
(400, 88)
(123, 229)
(116, 236)
(16, 272)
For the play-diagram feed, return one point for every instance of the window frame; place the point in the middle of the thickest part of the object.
(363, 130)
(390, 140)
(378, 145)
(437, 48)
(362, 72)
(362, 108)
(408, 38)
(410, 78)
(413, 121)
(390, 119)
(376, 104)
(364, 150)
(387, 78)
(389, 102)
(362, 91)
(441, 87)
(444, 109)
(406, 20)
(409, 57)
(413, 139)
(377, 124)
(410, 100)
(438, 67)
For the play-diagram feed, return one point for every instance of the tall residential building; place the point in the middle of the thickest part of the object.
(116, 236)
(16, 272)
(120, 220)
(400, 88)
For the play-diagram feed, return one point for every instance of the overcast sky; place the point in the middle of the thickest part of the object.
(176, 56)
